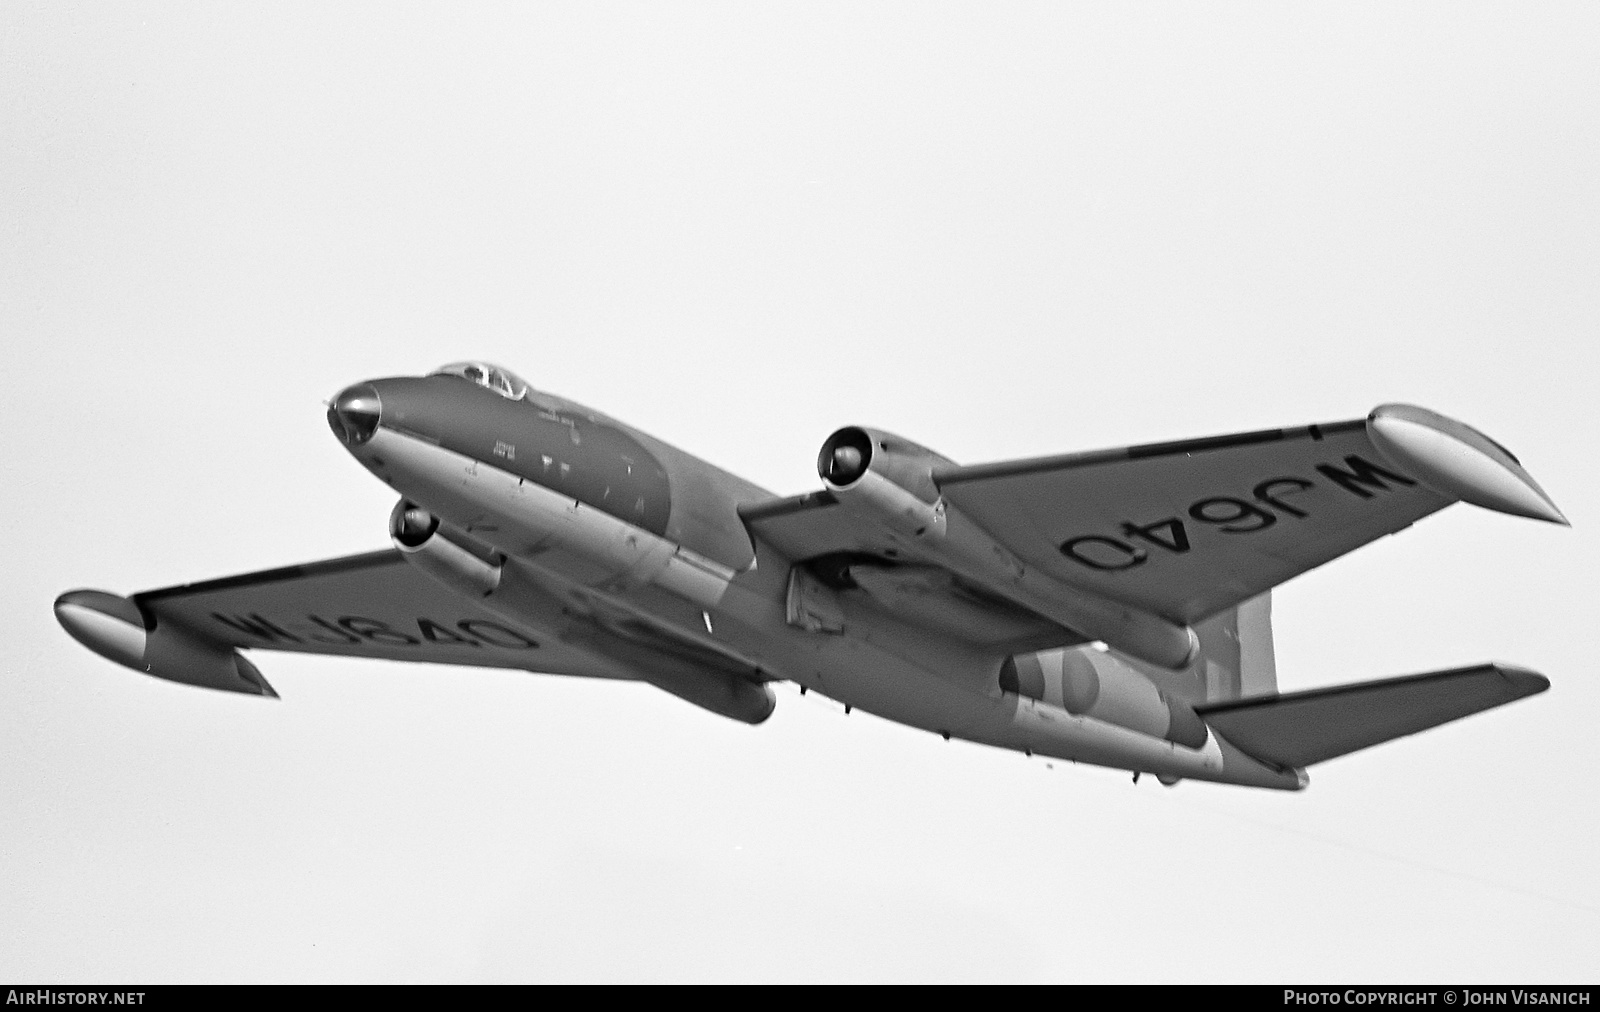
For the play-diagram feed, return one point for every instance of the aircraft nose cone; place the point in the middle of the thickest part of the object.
(353, 415)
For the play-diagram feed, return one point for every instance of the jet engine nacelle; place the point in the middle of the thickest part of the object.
(890, 475)
(416, 534)
(503, 587)
(890, 479)
(114, 628)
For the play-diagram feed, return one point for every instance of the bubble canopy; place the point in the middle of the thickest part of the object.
(502, 381)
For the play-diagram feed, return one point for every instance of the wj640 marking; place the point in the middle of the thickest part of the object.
(356, 630)
(1229, 514)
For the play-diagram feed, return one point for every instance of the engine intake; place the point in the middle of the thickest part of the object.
(887, 475)
(416, 534)
(845, 457)
(411, 525)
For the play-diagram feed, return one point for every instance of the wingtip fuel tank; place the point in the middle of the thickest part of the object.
(1457, 460)
(113, 627)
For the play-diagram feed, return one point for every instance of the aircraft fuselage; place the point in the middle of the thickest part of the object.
(594, 519)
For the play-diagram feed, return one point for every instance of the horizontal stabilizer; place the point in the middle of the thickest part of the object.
(1303, 728)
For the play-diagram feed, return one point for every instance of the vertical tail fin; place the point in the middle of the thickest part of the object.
(1236, 657)
(1236, 653)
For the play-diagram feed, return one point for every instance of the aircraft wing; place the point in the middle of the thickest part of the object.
(379, 605)
(372, 605)
(1302, 728)
(1187, 529)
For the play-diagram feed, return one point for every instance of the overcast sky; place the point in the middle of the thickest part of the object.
(1000, 230)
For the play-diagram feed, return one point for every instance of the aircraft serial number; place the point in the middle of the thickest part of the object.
(1268, 501)
(359, 630)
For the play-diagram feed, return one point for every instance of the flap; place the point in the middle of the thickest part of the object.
(1301, 728)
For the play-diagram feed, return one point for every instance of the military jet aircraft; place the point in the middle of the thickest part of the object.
(1109, 607)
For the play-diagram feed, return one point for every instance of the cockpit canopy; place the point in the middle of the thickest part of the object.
(502, 381)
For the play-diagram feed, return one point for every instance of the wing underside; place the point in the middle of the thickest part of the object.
(372, 605)
(1187, 529)
(1183, 530)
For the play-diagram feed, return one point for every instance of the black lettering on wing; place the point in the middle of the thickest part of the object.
(1362, 476)
(1168, 534)
(346, 637)
(1273, 490)
(1228, 514)
(1105, 554)
(497, 634)
(256, 626)
(377, 631)
(433, 632)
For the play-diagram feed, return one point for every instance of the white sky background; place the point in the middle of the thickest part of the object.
(1000, 231)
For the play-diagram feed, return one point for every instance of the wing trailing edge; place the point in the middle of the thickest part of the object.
(1300, 729)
